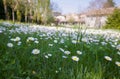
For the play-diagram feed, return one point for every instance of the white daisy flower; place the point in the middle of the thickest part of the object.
(117, 63)
(10, 45)
(64, 56)
(55, 41)
(61, 49)
(35, 51)
(50, 55)
(36, 42)
(67, 52)
(74, 41)
(50, 45)
(30, 39)
(118, 53)
(46, 56)
(19, 43)
(17, 39)
(75, 58)
(79, 52)
(108, 58)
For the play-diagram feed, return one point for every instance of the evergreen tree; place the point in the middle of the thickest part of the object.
(113, 21)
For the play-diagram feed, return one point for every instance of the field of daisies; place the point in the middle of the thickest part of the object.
(42, 52)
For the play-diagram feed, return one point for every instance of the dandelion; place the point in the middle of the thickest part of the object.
(10, 45)
(79, 52)
(75, 58)
(117, 63)
(108, 58)
(35, 51)
(67, 52)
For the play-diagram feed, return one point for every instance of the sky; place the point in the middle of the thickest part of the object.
(75, 6)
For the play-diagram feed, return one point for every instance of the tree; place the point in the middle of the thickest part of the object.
(113, 20)
(5, 9)
(13, 4)
(108, 3)
(96, 4)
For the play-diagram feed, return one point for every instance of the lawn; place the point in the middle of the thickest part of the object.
(42, 52)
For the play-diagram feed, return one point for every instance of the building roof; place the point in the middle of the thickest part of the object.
(99, 12)
(56, 13)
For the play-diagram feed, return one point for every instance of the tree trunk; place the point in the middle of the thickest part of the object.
(26, 17)
(5, 10)
(13, 15)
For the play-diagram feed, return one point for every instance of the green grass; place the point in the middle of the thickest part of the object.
(18, 62)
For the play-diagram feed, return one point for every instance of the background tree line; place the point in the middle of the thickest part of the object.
(38, 11)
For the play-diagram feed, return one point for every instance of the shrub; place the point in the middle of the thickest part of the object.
(113, 21)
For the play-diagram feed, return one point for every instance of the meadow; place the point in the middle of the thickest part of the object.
(43, 52)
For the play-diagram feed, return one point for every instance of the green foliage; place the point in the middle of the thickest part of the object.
(113, 21)
(29, 10)
(18, 62)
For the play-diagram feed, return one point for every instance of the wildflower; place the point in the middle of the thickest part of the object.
(108, 58)
(46, 56)
(103, 43)
(117, 63)
(84, 39)
(50, 55)
(60, 68)
(17, 39)
(118, 47)
(118, 53)
(64, 56)
(79, 52)
(74, 41)
(67, 52)
(56, 71)
(33, 72)
(50, 45)
(35, 51)
(30, 39)
(62, 41)
(36, 42)
(0, 31)
(10, 45)
(19, 43)
(61, 49)
(55, 41)
(75, 58)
